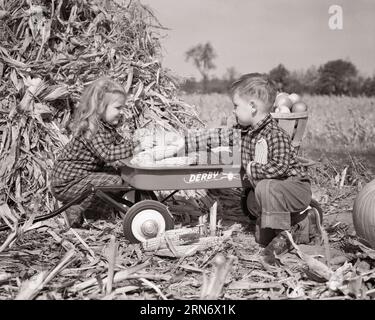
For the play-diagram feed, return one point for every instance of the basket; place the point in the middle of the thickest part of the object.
(294, 124)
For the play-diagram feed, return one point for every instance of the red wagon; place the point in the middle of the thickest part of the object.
(148, 218)
(145, 216)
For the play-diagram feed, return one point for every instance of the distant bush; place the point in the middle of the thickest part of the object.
(336, 77)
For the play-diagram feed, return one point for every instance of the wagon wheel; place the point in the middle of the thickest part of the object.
(145, 220)
(244, 206)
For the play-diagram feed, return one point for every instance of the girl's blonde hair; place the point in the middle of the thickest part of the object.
(92, 106)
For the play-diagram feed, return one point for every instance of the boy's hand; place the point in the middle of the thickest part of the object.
(231, 121)
(180, 146)
(173, 139)
(248, 172)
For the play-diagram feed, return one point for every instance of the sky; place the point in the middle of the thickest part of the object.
(257, 35)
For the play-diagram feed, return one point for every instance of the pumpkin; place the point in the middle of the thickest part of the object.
(364, 213)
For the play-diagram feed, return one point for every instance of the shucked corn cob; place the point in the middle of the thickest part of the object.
(261, 152)
(158, 146)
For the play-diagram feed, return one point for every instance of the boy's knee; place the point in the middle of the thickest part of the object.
(267, 185)
(262, 186)
(268, 188)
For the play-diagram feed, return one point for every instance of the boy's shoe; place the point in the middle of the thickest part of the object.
(309, 229)
(306, 231)
(279, 245)
(74, 215)
(315, 226)
(263, 236)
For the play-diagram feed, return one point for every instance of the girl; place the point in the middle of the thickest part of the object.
(95, 143)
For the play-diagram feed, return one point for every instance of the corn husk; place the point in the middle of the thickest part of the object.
(49, 52)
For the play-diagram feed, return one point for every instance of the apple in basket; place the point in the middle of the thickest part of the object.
(280, 94)
(299, 107)
(295, 97)
(282, 109)
(283, 100)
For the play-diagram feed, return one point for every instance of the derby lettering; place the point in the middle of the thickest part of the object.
(202, 177)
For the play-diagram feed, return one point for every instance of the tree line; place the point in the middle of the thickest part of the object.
(335, 77)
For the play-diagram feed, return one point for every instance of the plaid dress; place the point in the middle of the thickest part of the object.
(84, 161)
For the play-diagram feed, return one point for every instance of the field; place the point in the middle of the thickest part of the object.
(340, 124)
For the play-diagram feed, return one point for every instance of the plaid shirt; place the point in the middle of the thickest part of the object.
(81, 156)
(282, 162)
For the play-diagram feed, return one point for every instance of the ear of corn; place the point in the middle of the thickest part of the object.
(261, 151)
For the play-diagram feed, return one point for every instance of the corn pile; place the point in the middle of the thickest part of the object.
(160, 148)
(49, 51)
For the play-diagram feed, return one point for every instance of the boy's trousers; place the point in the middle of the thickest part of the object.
(278, 202)
(92, 206)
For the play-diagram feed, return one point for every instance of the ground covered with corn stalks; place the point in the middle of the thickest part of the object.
(49, 51)
(48, 261)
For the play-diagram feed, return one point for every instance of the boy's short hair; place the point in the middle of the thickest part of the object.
(255, 85)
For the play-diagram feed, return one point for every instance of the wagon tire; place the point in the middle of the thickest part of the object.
(145, 220)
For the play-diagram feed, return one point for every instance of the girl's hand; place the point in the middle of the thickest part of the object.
(147, 142)
(144, 139)
(143, 145)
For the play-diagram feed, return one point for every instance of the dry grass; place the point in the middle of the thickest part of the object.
(53, 262)
(341, 123)
(337, 123)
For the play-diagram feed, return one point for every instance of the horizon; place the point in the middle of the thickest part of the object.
(299, 36)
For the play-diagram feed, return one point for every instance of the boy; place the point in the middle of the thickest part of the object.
(281, 188)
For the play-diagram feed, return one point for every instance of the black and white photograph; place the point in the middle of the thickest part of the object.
(187, 155)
